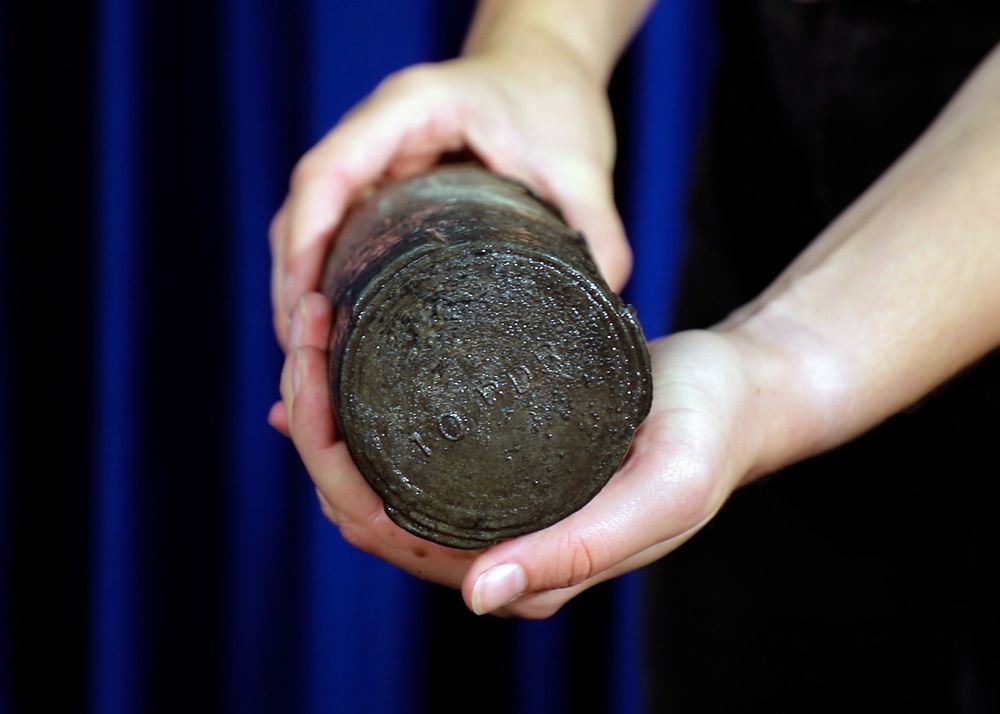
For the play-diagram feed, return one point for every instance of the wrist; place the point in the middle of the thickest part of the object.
(798, 386)
(591, 34)
(537, 51)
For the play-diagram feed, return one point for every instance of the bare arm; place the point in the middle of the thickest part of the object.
(896, 296)
(528, 97)
(594, 31)
(893, 299)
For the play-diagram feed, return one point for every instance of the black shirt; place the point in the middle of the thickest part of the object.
(868, 578)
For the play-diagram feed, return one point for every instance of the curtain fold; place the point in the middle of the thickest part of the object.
(5, 369)
(669, 70)
(258, 73)
(140, 483)
(115, 673)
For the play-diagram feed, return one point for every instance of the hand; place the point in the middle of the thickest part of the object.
(537, 116)
(693, 449)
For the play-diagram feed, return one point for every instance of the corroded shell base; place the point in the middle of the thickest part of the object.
(485, 379)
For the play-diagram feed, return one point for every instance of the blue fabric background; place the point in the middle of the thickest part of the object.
(160, 545)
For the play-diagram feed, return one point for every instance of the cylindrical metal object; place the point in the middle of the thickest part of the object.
(486, 380)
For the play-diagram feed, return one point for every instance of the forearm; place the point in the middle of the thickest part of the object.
(897, 296)
(594, 31)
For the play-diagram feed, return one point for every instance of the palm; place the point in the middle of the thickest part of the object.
(686, 459)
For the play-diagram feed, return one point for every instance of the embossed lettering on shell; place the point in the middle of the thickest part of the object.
(485, 379)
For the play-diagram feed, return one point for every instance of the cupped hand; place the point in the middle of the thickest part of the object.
(695, 447)
(689, 454)
(538, 117)
(346, 499)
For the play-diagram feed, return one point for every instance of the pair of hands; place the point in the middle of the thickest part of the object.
(552, 130)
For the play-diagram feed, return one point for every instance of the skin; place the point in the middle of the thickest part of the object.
(895, 297)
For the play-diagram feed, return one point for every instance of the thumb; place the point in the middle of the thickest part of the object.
(652, 505)
(595, 215)
(584, 192)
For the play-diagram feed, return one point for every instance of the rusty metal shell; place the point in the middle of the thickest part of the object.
(486, 380)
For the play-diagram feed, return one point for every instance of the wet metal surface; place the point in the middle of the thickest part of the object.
(485, 379)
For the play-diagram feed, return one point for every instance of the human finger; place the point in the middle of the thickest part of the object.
(585, 195)
(685, 460)
(345, 497)
(402, 128)
(635, 512)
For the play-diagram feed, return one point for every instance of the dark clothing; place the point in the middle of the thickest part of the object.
(866, 579)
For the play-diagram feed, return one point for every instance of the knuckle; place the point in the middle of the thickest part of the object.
(626, 259)
(326, 508)
(306, 169)
(357, 537)
(579, 560)
(275, 230)
(534, 608)
(695, 501)
(415, 79)
(366, 531)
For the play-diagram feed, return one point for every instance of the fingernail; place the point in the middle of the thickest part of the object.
(498, 586)
(298, 318)
(292, 298)
(296, 373)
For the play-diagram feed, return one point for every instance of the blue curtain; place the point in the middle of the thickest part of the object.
(160, 545)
